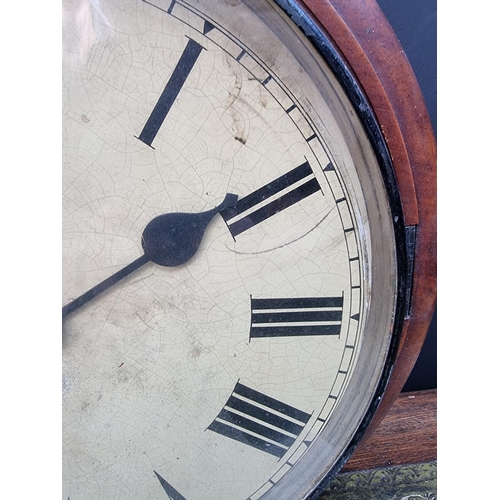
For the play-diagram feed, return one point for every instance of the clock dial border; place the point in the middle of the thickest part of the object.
(363, 38)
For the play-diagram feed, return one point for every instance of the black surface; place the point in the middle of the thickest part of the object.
(173, 239)
(171, 91)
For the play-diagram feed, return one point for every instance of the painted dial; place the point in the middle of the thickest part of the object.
(241, 369)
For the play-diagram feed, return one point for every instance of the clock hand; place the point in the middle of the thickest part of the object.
(168, 240)
(103, 285)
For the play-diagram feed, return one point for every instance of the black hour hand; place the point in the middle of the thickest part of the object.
(172, 239)
(168, 240)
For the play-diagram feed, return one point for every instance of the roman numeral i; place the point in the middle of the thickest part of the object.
(257, 420)
(174, 85)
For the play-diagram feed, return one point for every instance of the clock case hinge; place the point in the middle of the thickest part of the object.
(411, 240)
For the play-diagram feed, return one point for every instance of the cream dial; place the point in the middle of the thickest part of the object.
(223, 376)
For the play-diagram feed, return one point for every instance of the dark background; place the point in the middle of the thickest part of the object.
(415, 24)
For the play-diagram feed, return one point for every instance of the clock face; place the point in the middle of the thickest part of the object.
(244, 369)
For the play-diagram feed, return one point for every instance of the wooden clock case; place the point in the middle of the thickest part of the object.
(369, 48)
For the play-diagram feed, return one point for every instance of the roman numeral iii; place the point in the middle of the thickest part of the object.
(257, 420)
(258, 206)
(296, 317)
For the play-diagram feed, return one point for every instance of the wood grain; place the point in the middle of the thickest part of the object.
(367, 42)
(407, 435)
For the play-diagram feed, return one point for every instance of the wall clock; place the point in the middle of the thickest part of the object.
(248, 243)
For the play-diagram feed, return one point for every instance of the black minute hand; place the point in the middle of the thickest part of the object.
(168, 240)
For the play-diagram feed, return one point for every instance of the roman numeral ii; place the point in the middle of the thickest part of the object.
(262, 204)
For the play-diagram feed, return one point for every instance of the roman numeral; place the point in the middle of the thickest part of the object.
(296, 317)
(171, 492)
(258, 206)
(172, 89)
(257, 420)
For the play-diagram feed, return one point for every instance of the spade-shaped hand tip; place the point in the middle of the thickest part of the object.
(173, 239)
